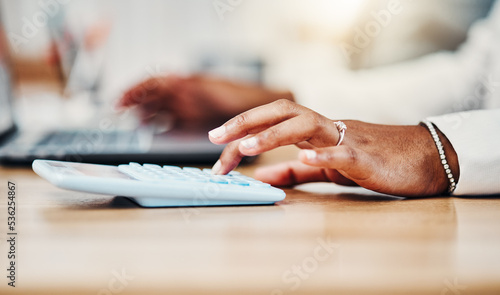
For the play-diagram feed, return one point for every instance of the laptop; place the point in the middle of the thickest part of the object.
(21, 147)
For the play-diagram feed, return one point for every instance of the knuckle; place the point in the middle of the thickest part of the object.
(272, 138)
(352, 156)
(314, 120)
(318, 119)
(272, 134)
(284, 105)
(283, 102)
(241, 120)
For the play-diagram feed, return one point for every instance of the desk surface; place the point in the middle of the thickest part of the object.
(312, 242)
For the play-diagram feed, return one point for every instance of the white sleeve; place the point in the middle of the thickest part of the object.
(404, 93)
(475, 136)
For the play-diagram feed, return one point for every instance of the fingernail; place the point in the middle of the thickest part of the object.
(310, 154)
(216, 167)
(249, 143)
(218, 132)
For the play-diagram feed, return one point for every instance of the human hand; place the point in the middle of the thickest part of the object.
(196, 98)
(397, 160)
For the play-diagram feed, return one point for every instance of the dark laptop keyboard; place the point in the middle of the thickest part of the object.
(87, 142)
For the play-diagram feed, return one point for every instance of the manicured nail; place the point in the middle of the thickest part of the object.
(216, 167)
(310, 154)
(218, 132)
(249, 143)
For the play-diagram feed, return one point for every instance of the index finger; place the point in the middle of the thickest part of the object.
(255, 120)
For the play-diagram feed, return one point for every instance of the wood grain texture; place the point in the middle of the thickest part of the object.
(321, 239)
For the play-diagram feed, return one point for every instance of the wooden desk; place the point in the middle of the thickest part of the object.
(314, 243)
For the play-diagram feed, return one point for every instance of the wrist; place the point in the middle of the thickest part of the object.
(451, 155)
(445, 160)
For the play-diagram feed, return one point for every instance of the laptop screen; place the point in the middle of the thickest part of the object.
(6, 120)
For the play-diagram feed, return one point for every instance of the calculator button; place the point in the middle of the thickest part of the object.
(239, 182)
(170, 171)
(220, 180)
(191, 169)
(242, 178)
(172, 168)
(152, 166)
(176, 177)
(259, 184)
(199, 179)
(155, 173)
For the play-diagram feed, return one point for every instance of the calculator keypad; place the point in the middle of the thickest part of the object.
(157, 173)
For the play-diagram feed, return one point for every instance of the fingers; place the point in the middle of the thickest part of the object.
(301, 130)
(255, 120)
(296, 130)
(274, 125)
(229, 159)
(268, 127)
(290, 173)
(304, 145)
(296, 172)
(136, 94)
(147, 90)
(350, 162)
(149, 108)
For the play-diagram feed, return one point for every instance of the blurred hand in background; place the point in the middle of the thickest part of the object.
(196, 98)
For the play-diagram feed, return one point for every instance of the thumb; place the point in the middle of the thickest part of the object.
(295, 172)
(290, 173)
(352, 163)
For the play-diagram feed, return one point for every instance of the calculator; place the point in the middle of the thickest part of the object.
(151, 185)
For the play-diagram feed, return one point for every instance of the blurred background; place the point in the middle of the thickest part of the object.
(83, 54)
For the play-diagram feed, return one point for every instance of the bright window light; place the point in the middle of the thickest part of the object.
(332, 16)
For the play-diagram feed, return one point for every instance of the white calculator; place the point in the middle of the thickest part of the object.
(152, 185)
